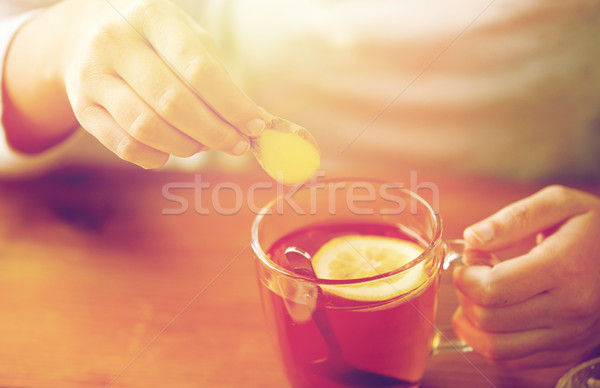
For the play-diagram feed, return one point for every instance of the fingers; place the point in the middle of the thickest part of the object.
(157, 76)
(175, 103)
(530, 314)
(552, 289)
(501, 346)
(544, 266)
(99, 122)
(508, 282)
(527, 348)
(515, 222)
(189, 52)
(141, 122)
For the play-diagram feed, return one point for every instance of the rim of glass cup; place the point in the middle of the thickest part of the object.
(264, 258)
(574, 371)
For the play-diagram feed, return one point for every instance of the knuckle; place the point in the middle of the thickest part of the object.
(150, 8)
(558, 192)
(127, 149)
(519, 216)
(145, 15)
(103, 37)
(86, 113)
(573, 200)
(197, 68)
(481, 319)
(86, 72)
(168, 102)
(93, 58)
(144, 10)
(490, 295)
(149, 14)
(491, 349)
(142, 127)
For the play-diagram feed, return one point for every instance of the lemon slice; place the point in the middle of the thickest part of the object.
(361, 256)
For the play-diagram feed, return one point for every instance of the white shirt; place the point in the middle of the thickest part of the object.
(509, 88)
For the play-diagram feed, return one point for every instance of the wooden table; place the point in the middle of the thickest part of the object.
(99, 287)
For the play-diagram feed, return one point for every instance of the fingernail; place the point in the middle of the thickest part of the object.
(483, 233)
(255, 126)
(241, 147)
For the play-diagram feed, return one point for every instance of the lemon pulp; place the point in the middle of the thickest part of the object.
(361, 256)
(287, 157)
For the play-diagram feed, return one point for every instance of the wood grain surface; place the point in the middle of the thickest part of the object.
(102, 286)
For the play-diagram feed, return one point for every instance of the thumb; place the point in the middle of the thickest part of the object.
(542, 210)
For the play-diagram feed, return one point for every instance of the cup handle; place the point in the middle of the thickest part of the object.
(456, 255)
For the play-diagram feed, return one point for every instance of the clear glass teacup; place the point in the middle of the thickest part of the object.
(336, 326)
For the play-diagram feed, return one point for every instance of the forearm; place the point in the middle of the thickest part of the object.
(37, 114)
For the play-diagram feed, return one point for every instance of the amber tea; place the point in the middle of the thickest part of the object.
(383, 327)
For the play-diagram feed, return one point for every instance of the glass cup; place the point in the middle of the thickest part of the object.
(333, 332)
(584, 375)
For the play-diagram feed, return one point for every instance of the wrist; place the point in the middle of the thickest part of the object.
(36, 111)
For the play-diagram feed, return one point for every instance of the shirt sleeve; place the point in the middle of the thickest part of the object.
(81, 147)
(11, 161)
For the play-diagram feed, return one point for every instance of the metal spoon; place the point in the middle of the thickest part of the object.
(334, 367)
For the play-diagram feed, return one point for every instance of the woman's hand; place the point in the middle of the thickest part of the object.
(541, 308)
(147, 81)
